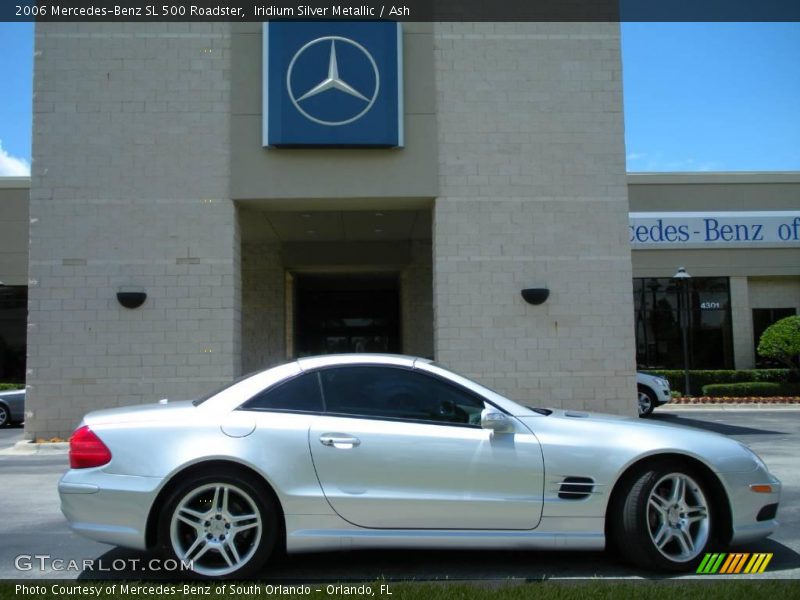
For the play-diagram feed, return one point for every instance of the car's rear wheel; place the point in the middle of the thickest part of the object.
(225, 526)
(667, 520)
(647, 401)
(5, 415)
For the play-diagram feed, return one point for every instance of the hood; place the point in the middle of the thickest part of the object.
(637, 437)
(650, 379)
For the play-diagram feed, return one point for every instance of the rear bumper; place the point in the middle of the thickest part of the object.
(107, 508)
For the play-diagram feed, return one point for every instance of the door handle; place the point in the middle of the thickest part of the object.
(338, 440)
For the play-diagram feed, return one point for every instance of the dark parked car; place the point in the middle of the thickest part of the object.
(12, 407)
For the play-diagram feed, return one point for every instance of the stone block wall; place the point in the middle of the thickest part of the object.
(533, 194)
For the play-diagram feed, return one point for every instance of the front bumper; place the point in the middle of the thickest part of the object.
(107, 508)
(747, 504)
(664, 395)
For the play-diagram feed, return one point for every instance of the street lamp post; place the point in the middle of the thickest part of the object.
(682, 280)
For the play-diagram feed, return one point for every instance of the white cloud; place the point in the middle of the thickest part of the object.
(11, 166)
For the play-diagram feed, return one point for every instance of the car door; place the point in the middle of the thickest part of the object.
(401, 449)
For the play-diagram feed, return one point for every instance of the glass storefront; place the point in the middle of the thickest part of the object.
(658, 331)
(13, 330)
(337, 314)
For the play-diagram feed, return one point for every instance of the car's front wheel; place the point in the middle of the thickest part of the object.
(647, 401)
(224, 526)
(5, 415)
(666, 521)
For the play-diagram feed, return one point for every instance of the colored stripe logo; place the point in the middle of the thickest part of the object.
(734, 563)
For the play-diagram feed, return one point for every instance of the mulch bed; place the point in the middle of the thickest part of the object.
(732, 400)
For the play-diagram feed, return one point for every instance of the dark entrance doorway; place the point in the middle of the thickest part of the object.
(346, 313)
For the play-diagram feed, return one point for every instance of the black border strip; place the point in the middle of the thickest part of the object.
(408, 10)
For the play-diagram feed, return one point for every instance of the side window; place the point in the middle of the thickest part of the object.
(396, 393)
(298, 394)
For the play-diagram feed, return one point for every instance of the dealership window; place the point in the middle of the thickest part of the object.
(13, 329)
(658, 332)
(763, 318)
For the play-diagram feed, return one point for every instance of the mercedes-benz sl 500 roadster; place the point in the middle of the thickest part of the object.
(381, 451)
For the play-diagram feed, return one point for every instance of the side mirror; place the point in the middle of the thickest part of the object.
(493, 419)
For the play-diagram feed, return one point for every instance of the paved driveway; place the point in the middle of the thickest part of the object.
(32, 523)
(10, 436)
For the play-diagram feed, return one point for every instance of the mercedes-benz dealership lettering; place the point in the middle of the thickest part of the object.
(719, 229)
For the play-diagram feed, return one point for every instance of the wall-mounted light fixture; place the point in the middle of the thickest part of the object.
(535, 295)
(131, 297)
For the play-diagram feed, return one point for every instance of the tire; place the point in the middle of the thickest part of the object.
(647, 401)
(665, 521)
(5, 415)
(197, 520)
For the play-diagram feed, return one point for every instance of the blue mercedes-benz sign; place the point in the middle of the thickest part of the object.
(333, 83)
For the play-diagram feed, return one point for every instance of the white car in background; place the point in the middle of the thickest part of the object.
(652, 391)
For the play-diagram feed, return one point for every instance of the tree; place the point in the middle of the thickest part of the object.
(781, 341)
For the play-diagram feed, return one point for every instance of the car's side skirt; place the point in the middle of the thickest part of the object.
(323, 537)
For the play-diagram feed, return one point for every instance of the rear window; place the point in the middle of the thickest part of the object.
(202, 399)
(300, 394)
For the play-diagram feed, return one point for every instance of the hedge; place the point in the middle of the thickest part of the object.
(4, 387)
(763, 389)
(699, 379)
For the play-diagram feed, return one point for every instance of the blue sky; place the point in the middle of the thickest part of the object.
(698, 96)
(712, 96)
(16, 78)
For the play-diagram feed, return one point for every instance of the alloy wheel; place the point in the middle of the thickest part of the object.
(645, 404)
(678, 517)
(218, 527)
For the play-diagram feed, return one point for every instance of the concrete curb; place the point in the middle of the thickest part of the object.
(26, 448)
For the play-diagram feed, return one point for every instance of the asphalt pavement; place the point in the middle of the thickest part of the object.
(32, 526)
(10, 436)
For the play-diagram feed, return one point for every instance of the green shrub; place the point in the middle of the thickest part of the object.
(11, 386)
(764, 389)
(781, 342)
(701, 378)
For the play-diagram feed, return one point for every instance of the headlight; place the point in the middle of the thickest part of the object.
(756, 458)
(663, 383)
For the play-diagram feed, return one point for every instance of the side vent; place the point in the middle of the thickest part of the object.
(576, 488)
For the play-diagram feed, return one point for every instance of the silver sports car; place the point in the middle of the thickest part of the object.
(382, 451)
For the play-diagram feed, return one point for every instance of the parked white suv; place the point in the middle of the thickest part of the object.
(653, 391)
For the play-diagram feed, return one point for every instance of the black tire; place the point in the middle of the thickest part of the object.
(5, 415)
(638, 523)
(252, 547)
(646, 401)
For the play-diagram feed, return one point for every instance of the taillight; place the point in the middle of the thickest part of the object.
(87, 450)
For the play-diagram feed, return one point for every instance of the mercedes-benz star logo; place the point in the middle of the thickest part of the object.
(333, 82)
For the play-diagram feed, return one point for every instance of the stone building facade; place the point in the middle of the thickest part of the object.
(149, 172)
